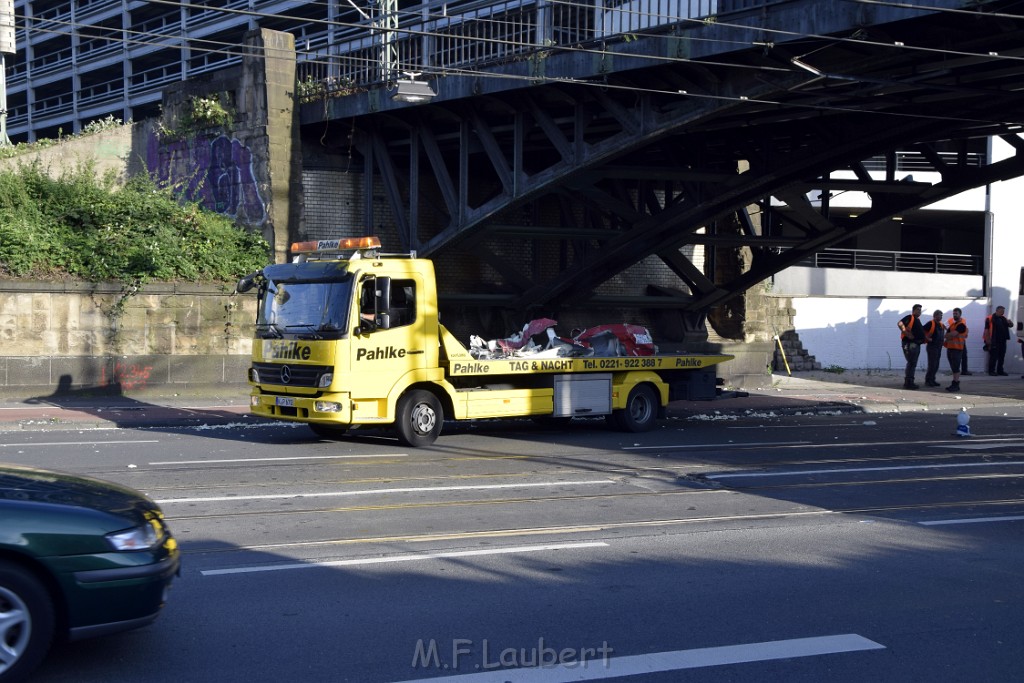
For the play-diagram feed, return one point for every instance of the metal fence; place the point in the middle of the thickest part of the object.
(450, 37)
(342, 47)
(905, 261)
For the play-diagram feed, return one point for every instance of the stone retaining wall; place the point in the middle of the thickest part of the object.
(75, 337)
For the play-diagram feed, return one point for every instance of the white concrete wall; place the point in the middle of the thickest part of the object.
(860, 284)
(861, 333)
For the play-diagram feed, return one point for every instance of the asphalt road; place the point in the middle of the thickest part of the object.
(792, 548)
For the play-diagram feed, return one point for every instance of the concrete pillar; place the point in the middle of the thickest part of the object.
(268, 72)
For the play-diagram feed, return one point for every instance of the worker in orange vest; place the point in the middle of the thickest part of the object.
(956, 342)
(934, 339)
(911, 338)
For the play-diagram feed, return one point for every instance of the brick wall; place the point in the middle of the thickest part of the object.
(334, 204)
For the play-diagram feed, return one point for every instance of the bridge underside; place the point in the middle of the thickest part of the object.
(608, 158)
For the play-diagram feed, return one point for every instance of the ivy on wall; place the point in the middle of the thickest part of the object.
(202, 113)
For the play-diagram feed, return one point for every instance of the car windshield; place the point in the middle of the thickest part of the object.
(304, 310)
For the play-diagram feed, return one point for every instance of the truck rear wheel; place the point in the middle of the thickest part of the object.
(641, 411)
(420, 418)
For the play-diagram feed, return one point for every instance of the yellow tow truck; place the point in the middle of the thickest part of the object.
(342, 341)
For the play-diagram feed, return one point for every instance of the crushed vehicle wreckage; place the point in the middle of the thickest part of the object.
(538, 339)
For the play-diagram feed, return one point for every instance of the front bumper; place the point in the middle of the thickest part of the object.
(113, 592)
(303, 408)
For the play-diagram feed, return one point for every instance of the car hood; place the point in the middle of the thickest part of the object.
(60, 488)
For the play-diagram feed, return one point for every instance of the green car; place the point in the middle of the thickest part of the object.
(79, 557)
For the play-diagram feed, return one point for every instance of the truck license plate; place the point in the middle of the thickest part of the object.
(286, 401)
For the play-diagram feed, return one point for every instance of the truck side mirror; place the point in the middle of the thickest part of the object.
(382, 294)
(366, 325)
(248, 282)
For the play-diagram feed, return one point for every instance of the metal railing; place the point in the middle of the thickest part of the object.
(152, 78)
(98, 48)
(49, 62)
(110, 91)
(160, 24)
(910, 160)
(438, 37)
(53, 106)
(200, 16)
(347, 54)
(903, 261)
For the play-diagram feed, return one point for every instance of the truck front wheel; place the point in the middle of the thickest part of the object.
(641, 411)
(419, 418)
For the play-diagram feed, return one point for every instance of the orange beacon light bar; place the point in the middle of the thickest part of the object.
(315, 246)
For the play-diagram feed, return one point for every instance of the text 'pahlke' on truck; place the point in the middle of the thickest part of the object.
(344, 342)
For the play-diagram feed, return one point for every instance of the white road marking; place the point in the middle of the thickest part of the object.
(973, 520)
(298, 457)
(716, 445)
(975, 446)
(948, 444)
(115, 409)
(802, 426)
(407, 558)
(739, 475)
(74, 443)
(369, 492)
(993, 443)
(635, 665)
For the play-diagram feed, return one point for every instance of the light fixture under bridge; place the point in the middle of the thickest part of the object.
(412, 91)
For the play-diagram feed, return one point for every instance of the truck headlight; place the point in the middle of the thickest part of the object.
(325, 380)
(327, 407)
(254, 375)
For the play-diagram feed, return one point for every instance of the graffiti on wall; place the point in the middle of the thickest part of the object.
(127, 375)
(216, 172)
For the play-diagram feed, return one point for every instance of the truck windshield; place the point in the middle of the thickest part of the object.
(304, 310)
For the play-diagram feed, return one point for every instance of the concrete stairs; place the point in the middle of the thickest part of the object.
(796, 354)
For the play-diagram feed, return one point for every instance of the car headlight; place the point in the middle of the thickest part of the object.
(137, 538)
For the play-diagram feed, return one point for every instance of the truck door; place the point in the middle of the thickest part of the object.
(389, 342)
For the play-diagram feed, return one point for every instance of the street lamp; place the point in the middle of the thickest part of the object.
(412, 91)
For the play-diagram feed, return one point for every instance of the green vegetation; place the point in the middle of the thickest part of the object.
(205, 112)
(90, 228)
(91, 128)
(200, 115)
(311, 89)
